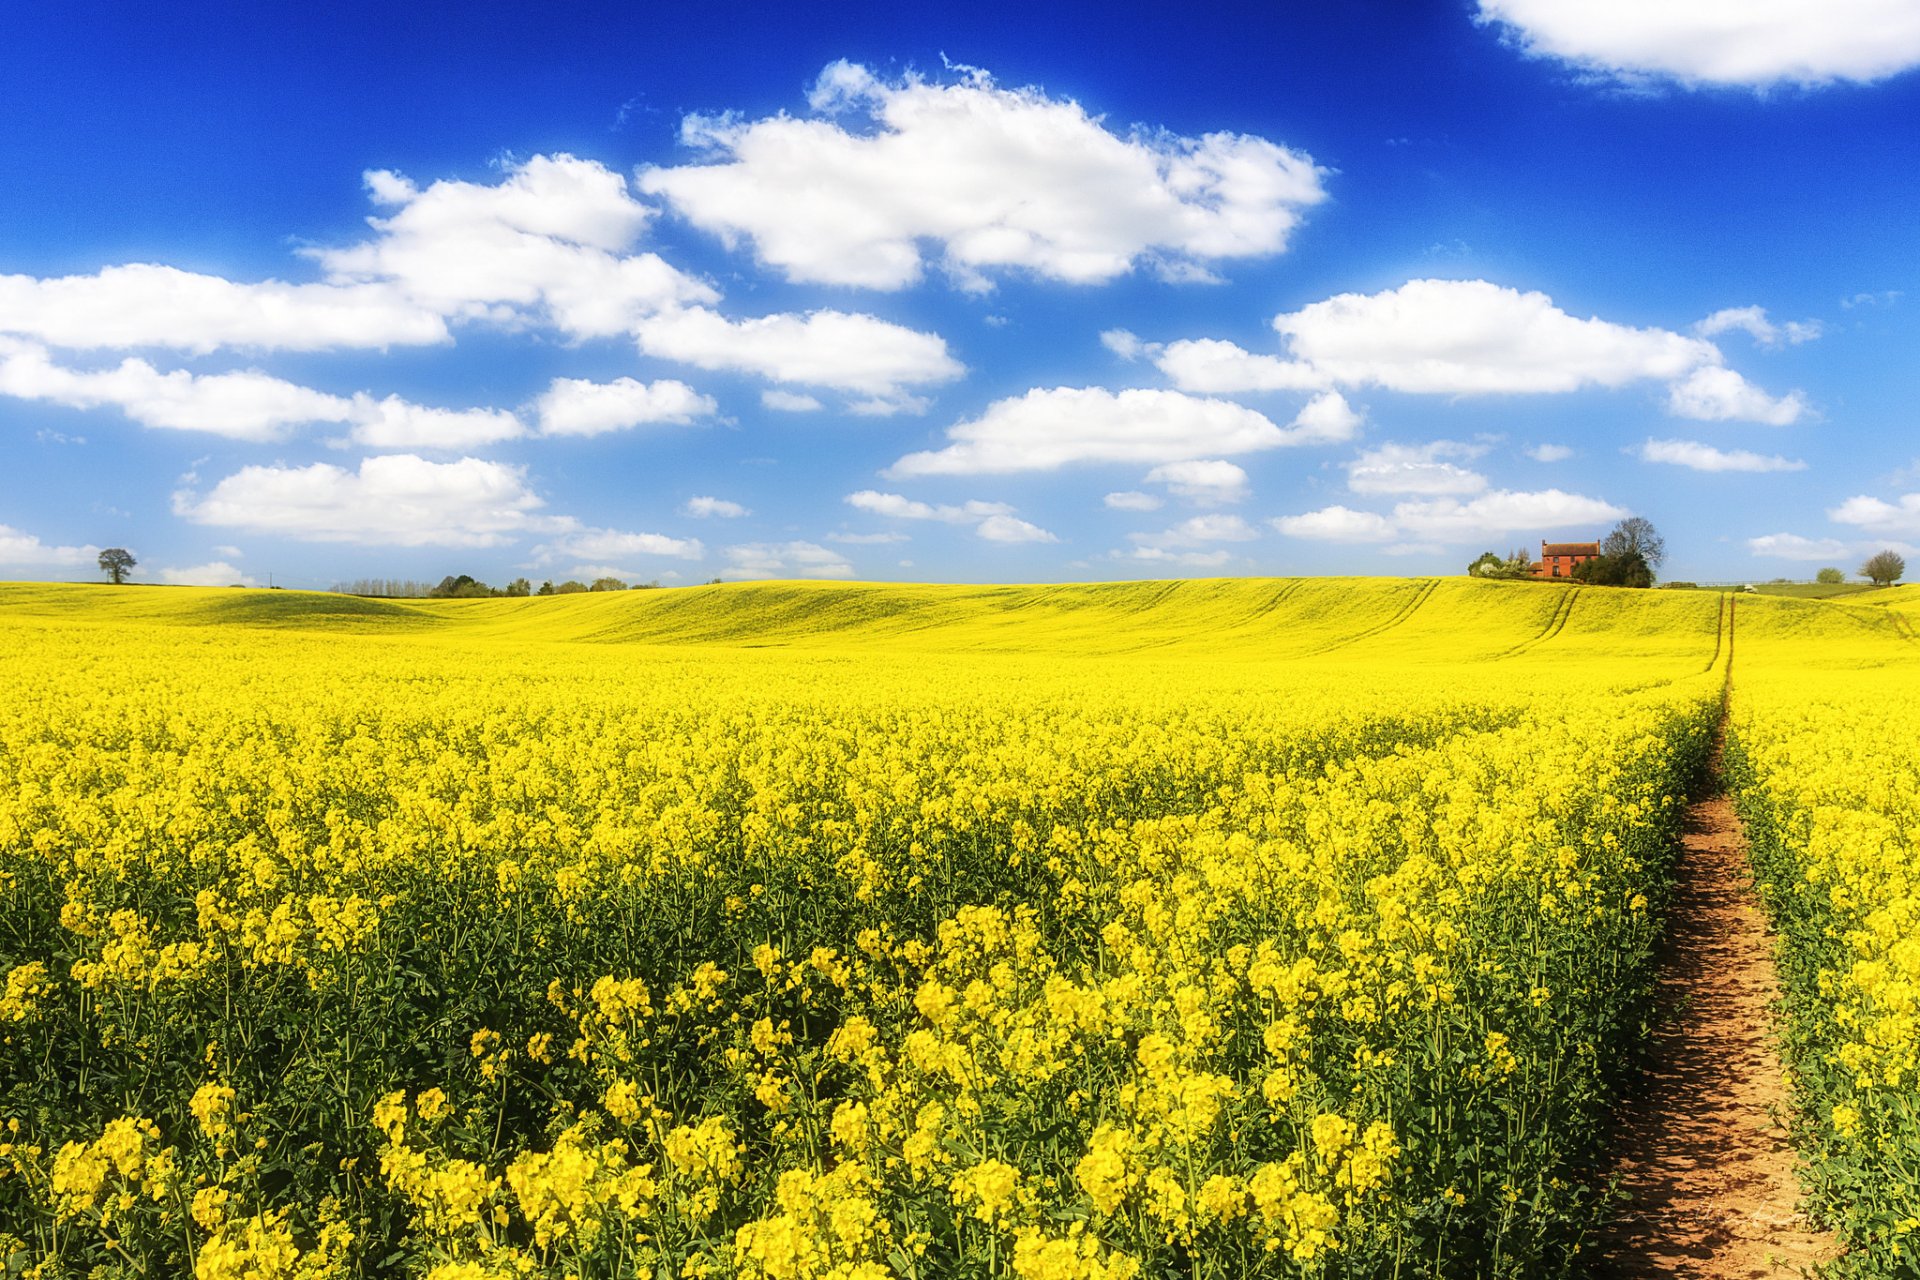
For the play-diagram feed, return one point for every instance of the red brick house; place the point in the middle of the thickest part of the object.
(1557, 559)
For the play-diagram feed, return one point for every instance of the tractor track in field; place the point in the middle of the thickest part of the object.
(1420, 596)
(1703, 1155)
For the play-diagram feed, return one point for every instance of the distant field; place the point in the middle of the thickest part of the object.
(1281, 927)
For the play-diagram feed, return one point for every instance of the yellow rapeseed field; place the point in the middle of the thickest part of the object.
(1287, 928)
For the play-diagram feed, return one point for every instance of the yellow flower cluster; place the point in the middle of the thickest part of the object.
(552, 952)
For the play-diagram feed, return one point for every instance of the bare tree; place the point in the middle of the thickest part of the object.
(1883, 568)
(1636, 536)
(116, 563)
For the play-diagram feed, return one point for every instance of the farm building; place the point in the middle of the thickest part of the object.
(1558, 559)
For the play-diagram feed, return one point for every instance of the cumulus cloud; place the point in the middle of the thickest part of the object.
(399, 499)
(1449, 520)
(1198, 531)
(1753, 322)
(788, 401)
(1183, 559)
(1012, 529)
(1210, 366)
(547, 243)
(867, 539)
(1048, 428)
(1132, 500)
(577, 407)
(1718, 395)
(1703, 457)
(1791, 546)
(247, 405)
(987, 178)
(615, 544)
(1750, 43)
(18, 547)
(1549, 452)
(1466, 337)
(1897, 519)
(846, 352)
(217, 573)
(1207, 481)
(393, 423)
(1416, 469)
(708, 507)
(784, 560)
(994, 521)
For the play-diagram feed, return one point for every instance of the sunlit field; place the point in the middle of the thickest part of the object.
(1278, 928)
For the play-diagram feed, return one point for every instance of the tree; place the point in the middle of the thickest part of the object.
(569, 587)
(546, 588)
(116, 563)
(607, 584)
(519, 587)
(1882, 569)
(1517, 565)
(1487, 566)
(1627, 569)
(1830, 577)
(1636, 536)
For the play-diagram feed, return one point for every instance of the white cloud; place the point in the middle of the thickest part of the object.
(1899, 519)
(1048, 428)
(707, 507)
(1702, 457)
(784, 560)
(227, 552)
(1465, 337)
(867, 539)
(1208, 481)
(546, 244)
(1753, 322)
(17, 547)
(904, 508)
(1416, 469)
(1012, 529)
(577, 407)
(1448, 520)
(989, 178)
(1185, 559)
(1198, 531)
(1129, 500)
(399, 499)
(1791, 546)
(1719, 42)
(1209, 366)
(147, 305)
(1337, 524)
(1549, 452)
(1326, 419)
(393, 423)
(616, 544)
(788, 401)
(247, 405)
(1123, 343)
(218, 573)
(1718, 395)
(856, 353)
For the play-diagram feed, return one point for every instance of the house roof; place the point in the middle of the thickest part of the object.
(1569, 548)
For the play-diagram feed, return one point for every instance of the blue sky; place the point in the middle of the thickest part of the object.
(954, 293)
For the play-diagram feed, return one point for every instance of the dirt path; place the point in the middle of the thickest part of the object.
(1709, 1169)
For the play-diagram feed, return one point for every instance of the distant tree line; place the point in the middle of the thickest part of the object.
(465, 586)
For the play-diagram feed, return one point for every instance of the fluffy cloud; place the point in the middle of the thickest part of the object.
(399, 499)
(1416, 469)
(1718, 395)
(707, 508)
(616, 544)
(1209, 366)
(1207, 481)
(17, 547)
(218, 573)
(1198, 531)
(1130, 500)
(1899, 519)
(576, 407)
(1448, 520)
(1719, 42)
(1048, 428)
(393, 423)
(784, 560)
(547, 244)
(1791, 546)
(788, 401)
(1549, 452)
(1703, 457)
(855, 353)
(145, 305)
(247, 405)
(990, 178)
(1012, 529)
(994, 521)
(1184, 559)
(1754, 323)
(1465, 337)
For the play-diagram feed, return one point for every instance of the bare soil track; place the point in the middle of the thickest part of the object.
(1703, 1149)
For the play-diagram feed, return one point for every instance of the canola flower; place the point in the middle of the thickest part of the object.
(474, 941)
